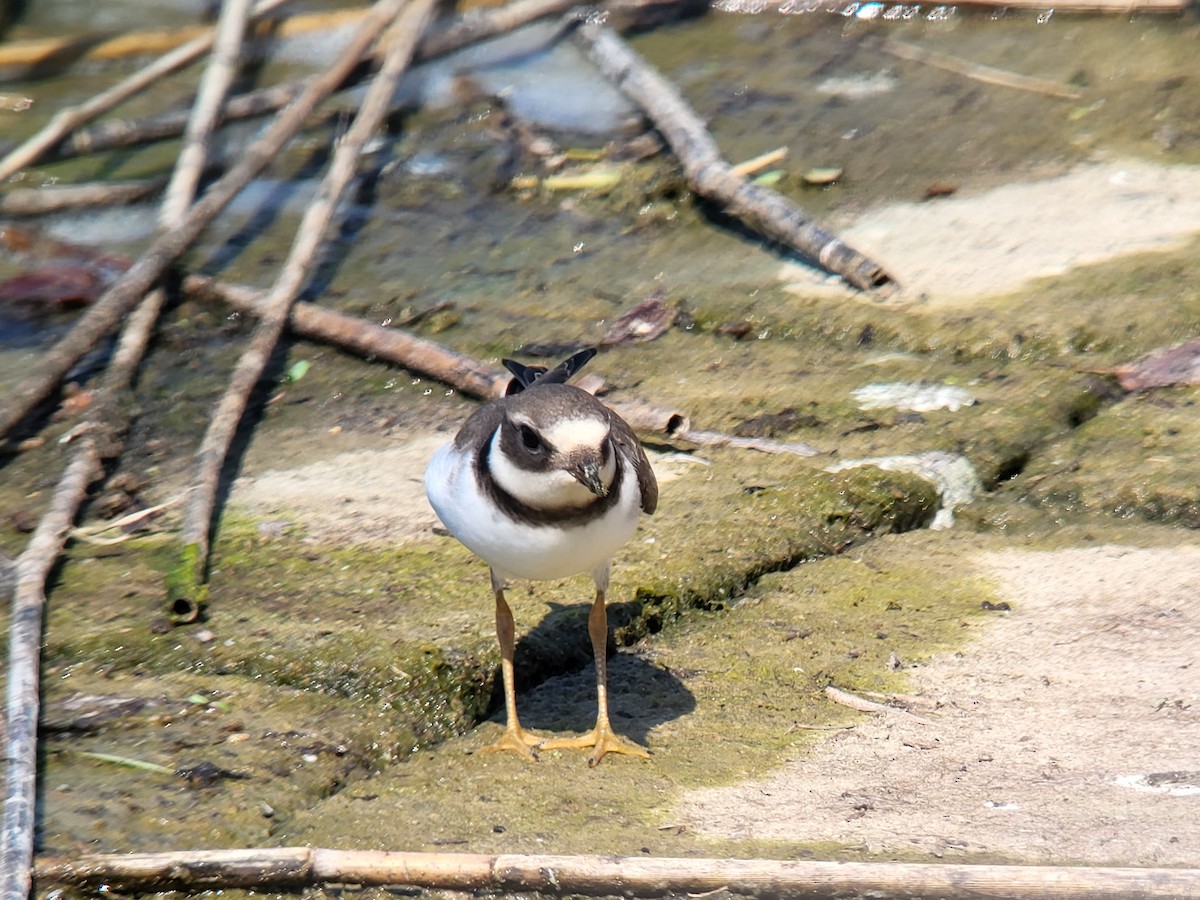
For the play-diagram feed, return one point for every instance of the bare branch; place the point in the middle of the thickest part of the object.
(710, 176)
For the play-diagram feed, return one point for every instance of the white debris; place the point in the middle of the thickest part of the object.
(916, 396)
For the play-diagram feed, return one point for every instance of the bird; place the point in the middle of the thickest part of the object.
(545, 483)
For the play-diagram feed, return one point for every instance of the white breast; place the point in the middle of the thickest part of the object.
(518, 550)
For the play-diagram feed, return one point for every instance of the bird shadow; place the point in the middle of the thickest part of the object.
(556, 678)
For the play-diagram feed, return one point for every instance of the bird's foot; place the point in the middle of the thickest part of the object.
(517, 740)
(602, 740)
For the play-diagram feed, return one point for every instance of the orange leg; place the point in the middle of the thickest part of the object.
(601, 739)
(515, 738)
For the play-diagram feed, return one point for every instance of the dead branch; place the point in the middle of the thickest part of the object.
(71, 118)
(709, 175)
(458, 370)
(185, 591)
(977, 71)
(206, 111)
(56, 198)
(24, 653)
(132, 285)
(296, 867)
(365, 338)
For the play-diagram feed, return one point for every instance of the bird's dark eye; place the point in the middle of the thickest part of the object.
(530, 438)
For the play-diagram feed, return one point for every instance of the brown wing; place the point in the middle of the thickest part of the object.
(479, 426)
(630, 448)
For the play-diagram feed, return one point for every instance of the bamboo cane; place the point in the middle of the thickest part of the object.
(298, 867)
(186, 584)
(709, 175)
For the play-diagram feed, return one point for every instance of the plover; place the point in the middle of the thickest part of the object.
(545, 483)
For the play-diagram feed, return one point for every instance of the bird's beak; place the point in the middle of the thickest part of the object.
(587, 473)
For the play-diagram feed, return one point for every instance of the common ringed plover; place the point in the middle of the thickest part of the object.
(545, 483)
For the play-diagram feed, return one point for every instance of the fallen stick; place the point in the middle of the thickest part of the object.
(367, 339)
(206, 111)
(300, 867)
(463, 373)
(709, 175)
(131, 286)
(862, 704)
(186, 592)
(56, 198)
(71, 118)
(483, 25)
(976, 71)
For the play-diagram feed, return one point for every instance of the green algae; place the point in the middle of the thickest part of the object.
(398, 645)
(1135, 460)
(722, 696)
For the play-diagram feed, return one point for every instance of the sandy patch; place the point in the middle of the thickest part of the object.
(1052, 719)
(360, 496)
(994, 242)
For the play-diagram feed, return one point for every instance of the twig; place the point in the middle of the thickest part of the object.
(976, 71)
(709, 175)
(132, 286)
(757, 163)
(394, 345)
(458, 370)
(92, 534)
(73, 117)
(862, 704)
(55, 198)
(185, 586)
(218, 76)
(296, 867)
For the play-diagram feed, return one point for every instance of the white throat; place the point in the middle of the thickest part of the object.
(555, 488)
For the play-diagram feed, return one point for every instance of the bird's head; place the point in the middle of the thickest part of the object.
(553, 449)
